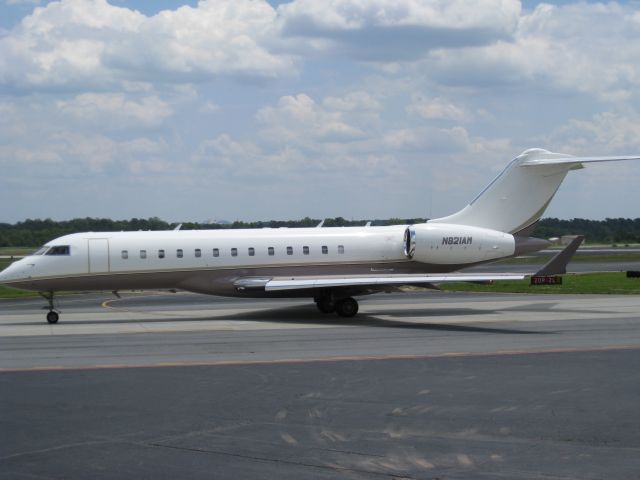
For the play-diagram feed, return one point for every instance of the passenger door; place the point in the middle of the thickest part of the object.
(98, 255)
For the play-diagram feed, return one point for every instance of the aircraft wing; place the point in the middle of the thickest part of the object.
(371, 283)
(366, 282)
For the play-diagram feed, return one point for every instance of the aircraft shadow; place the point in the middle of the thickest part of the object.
(548, 307)
(293, 315)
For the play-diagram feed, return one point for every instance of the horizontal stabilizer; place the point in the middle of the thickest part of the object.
(573, 160)
(558, 264)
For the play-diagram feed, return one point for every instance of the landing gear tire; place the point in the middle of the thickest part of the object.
(347, 307)
(326, 305)
(52, 317)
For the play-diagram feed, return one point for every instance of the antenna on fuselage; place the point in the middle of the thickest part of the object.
(178, 227)
(320, 224)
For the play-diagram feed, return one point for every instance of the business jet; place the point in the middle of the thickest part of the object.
(330, 265)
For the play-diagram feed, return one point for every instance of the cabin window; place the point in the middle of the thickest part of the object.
(216, 252)
(160, 253)
(234, 252)
(179, 253)
(340, 249)
(325, 249)
(252, 251)
(289, 250)
(198, 253)
(271, 251)
(59, 250)
(305, 250)
(125, 254)
(143, 254)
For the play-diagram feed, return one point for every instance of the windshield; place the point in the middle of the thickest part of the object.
(41, 250)
(58, 250)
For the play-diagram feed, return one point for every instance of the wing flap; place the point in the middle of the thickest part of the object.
(304, 283)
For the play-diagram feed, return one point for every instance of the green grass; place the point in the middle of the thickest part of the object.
(612, 283)
(605, 257)
(20, 251)
(8, 292)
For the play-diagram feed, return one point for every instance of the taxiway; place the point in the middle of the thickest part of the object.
(421, 385)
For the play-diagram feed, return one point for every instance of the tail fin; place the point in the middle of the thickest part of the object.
(518, 197)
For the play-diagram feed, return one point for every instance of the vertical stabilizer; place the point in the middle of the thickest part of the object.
(516, 199)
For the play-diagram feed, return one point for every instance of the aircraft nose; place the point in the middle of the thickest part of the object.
(3, 275)
(12, 272)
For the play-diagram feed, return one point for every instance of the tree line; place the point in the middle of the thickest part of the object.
(31, 233)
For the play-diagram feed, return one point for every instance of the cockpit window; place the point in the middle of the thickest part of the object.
(40, 251)
(59, 250)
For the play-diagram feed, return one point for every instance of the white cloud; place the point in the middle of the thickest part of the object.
(225, 152)
(69, 154)
(176, 104)
(334, 15)
(354, 101)
(116, 109)
(399, 29)
(606, 133)
(583, 47)
(299, 120)
(210, 107)
(22, 2)
(438, 109)
(89, 44)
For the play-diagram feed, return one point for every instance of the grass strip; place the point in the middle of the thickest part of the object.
(8, 292)
(578, 258)
(609, 283)
(20, 251)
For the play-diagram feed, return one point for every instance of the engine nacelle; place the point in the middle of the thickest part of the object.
(444, 244)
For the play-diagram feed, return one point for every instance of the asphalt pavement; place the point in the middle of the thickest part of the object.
(422, 386)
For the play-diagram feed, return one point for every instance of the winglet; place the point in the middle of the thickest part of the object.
(558, 264)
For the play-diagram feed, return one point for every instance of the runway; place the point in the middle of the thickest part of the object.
(420, 385)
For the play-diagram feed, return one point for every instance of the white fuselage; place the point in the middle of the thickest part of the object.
(210, 261)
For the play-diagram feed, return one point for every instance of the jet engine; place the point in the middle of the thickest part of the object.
(447, 244)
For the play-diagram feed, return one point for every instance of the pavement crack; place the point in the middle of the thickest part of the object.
(53, 449)
(336, 468)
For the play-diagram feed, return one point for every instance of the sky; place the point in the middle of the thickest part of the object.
(257, 110)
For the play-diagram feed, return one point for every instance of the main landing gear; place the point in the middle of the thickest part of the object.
(53, 316)
(345, 307)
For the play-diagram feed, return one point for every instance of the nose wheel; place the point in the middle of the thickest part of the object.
(53, 315)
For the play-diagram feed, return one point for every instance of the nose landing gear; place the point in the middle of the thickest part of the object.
(53, 315)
